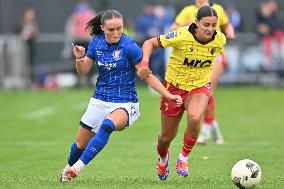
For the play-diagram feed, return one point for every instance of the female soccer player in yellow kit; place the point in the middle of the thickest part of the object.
(195, 48)
(186, 17)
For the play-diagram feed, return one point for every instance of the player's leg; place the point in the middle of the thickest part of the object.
(169, 130)
(117, 120)
(84, 134)
(86, 131)
(195, 105)
(206, 127)
(171, 115)
(210, 124)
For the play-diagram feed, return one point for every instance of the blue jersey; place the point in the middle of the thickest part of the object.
(116, 64)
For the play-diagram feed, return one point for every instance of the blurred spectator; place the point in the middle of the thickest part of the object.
(152, 22)
(235, 16)
(28, 30)
(269, 28)
(75, 27)
(145, 24)
(75, 33)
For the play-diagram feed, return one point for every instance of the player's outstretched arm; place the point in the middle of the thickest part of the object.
(157, 86)
(147, 49)
(229, 31)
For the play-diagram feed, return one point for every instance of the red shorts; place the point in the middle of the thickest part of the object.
(170, 108)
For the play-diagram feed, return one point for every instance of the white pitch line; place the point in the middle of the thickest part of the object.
(39, 113)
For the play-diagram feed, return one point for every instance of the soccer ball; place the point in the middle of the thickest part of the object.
(246, 174)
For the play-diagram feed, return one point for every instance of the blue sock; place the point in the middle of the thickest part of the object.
(75, 154)
(98, 142)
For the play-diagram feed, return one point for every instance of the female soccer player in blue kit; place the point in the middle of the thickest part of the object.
(114, 104)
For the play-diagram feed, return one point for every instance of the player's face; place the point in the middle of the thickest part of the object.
(206, 27)
(113, 29)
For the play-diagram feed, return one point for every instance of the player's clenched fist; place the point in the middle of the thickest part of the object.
(143, 72)
(78, 51)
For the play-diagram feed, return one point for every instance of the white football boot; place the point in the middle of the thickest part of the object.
(64, 175)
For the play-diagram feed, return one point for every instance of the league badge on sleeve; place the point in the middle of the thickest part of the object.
(171, 34)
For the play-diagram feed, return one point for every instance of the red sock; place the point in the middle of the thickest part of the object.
(210, 112)
(162, 152)
(188, 144)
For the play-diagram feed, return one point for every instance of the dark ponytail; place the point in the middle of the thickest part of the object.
(94, 25)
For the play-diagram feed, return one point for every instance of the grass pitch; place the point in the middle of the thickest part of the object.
(38, 128)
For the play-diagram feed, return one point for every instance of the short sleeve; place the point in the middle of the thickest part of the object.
(169, 39)
(91, 53)
(134, 53)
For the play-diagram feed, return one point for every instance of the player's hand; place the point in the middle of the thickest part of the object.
(78, 51)
(143, 72)
(175, 98)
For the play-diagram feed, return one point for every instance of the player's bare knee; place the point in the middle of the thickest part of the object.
(119, 118)
(81, 144)
(195, 118)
